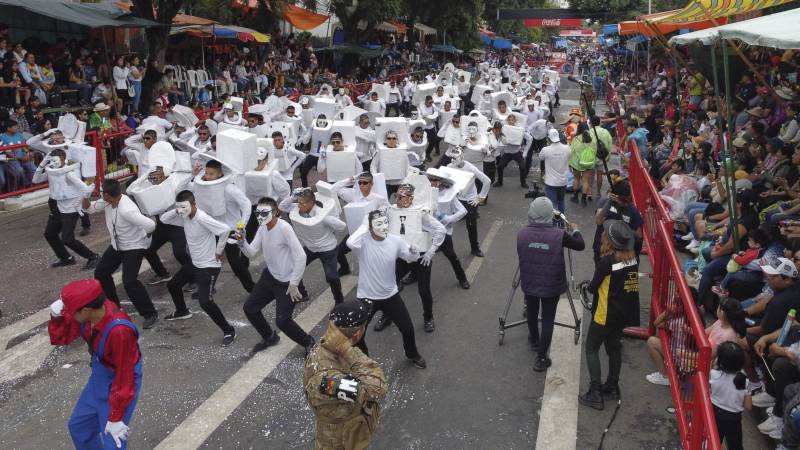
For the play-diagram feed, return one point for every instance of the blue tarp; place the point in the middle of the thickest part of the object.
(439, 48)
(486, 39)
(611, 28)
(638, 39)
(562, 43)
(501, 44)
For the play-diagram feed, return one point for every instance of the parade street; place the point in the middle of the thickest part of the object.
(197, 394)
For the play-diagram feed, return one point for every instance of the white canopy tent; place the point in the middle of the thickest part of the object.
(777, 30)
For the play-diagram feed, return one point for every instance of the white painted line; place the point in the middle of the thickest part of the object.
(25, 359)
(21, 326)
(558, 417)
(195, 429)
(475, 265)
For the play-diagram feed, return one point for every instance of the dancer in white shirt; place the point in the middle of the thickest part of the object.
(206, 252)
(378, 252)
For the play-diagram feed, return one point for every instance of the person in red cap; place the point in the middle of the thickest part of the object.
(101, 416)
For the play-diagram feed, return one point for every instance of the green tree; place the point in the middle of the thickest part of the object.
(626, 9)
(368, 12)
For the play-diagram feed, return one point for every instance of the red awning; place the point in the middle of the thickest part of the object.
(302, 18)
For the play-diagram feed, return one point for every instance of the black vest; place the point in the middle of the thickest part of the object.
(541, 260)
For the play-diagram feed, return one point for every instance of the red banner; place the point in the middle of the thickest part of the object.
(576, 33)
(553, 23)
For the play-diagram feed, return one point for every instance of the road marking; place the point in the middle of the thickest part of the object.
(195, 429)
(558, 416)
(21, 326)
(25, 359)
(475, 265)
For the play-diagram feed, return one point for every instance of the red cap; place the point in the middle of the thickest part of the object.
(78, 294)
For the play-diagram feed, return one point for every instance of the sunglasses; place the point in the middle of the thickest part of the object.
(364, 183)
(263, 213)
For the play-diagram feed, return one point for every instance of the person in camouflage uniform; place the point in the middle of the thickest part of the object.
(342, 384)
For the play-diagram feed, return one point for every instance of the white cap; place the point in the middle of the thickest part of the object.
(553, 135)
(780, 266)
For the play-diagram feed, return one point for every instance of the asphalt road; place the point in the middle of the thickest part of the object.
(474, 393)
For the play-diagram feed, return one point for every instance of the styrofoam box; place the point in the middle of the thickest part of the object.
(237, 149)
(477, 93)
(514, 135)
(354, 214)
(422, 91)
(381, 89)
(87, 156)
(462, 178)
(258, 184)
(238, 104)
(352, 113)
(183, 115)
(325, 106)
(407, 223)
(325, 190)
(341, 165)
(348, 130)
(397, 124)
(394, 163)
(152, 199)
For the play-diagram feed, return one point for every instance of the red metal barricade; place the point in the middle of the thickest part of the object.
(686, 349)
(17, 175)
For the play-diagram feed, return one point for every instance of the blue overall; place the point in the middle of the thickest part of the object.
(88, 422)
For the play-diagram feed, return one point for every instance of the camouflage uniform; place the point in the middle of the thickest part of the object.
(342, 425)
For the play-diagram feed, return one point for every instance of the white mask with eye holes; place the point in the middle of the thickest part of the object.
(56, 162)
(261, 152)
(263, 214)
(380, 226)
(472, 130)
(322, 123)
(341, 91)
(456, 158)
(183, 208)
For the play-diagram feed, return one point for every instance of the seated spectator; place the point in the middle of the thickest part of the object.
(18, 166)
(103, 93)
(79, 81)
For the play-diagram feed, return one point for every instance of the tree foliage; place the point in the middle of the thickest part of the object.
(370, 12)
(626, 9)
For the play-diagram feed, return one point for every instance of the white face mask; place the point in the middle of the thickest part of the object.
(341, 91)
(458, 160)
(55, 162)
(263, 214)
(261, 152)
(322, 123)
(183, 209)
(472, 130)
(380, 226)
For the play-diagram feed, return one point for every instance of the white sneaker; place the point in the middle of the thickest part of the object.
(771, 424)
(753, 386)
(778, 432)
(694, 244)
(657, 378)
(763, 400)
(695, 251)
(687, 237)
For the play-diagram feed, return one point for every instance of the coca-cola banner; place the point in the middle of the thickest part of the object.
(576, 33)
(553, 23)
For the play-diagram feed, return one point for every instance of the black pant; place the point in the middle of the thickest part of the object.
(471, 219)
(329, 260)
(549, 306)
(265, 291)
(423, 276)
(394, 309)
(612, 338)
(536, 146)
(205, 279)
(306, 166)
(785, 373)
(393, 107)
(131, 261)
(433, 142)
(60, 234)
(450, 253)
(507, 158)
(489, 169)
(161, 235)
(729, 427)
(86, 223)
(240, 265)
(342, 251)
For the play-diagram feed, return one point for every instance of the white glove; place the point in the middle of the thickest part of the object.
(427, 258)
(49, 132)
(474, 202)
(56, 308)
(118, 431)
(294, 293)
(45, 161)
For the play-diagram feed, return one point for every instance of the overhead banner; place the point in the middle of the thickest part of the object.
(553, 23)
(576, 33)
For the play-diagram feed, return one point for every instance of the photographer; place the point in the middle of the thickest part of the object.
(540, 247)
(618, 206)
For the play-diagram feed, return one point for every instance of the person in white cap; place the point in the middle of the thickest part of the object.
(555, 158)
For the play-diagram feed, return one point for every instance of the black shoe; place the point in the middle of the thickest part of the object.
(464, 284)
(409, 279)
(429, 326)
(524, 185)
(592, 398)
(477, 252)
(160, 279)
(498, 184)
(574, 198)
(228, 338)
(191, 287)
(419, 362)
(541, 364)
(310, 345)
(583, 200)
(85, 231)
(344, 270)
(428, 159)
(179, 315)
(382, 323)
(149, 322)
(610, 391)
(91, 263)
(64, 262)
(264, 344)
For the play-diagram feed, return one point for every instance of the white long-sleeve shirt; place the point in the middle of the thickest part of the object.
(319, 238)
(538, 128)
(283, 253)
(365, 143)
(200, 232)
(237, 206)
(295, 158)
(430, 114)
(376, 262)
(472, 189)
(352, 194)
(120, 75)
(280, 190)
(72, 204)
(136, 153)
(127, 226)
(450, 213)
